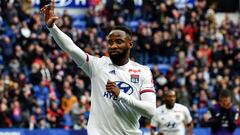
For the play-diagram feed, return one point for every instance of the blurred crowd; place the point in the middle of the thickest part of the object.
(41, 87)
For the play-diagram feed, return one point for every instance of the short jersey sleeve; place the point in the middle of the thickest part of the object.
(147, 83)
(187, 116)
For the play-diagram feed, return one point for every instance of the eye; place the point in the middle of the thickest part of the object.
(119, 41)
(110, 42)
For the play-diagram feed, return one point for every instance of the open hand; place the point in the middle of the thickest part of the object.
(111, 87)
(48, 11)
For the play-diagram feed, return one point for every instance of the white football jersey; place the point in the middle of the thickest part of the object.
(111, 115)
(171, 121)
(108, 115)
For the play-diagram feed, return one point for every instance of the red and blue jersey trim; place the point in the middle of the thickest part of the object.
(147, 90)
(87, 58)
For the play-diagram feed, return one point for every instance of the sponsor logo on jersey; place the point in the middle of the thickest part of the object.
(170, 124)
(134, 70)
(134, 78)
(123, 86)
(112, 72)
(110, 96)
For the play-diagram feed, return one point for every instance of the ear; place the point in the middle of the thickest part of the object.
(130, 44)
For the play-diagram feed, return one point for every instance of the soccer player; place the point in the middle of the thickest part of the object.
(223, 116)
(172, 118)
(121, 90)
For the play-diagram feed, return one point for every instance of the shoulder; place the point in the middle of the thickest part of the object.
(180, 106)
(142, 68)
(215, 108)
(102, 60)
(105, 58)
(160, 108)
(139, 65)
(234, 109)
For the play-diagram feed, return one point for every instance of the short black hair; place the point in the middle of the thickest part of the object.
(167, 92)
(123, 28)
(224, 94)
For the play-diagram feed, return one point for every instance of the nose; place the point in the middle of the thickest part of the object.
(113, 46)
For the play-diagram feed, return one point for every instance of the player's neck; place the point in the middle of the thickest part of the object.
(121, 62)
(170, 106)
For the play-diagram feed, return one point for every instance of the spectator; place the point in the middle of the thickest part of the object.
(54, 115)
(68, 100)
(31, 123)
(42, 124)
(77, 110)
(81, 122)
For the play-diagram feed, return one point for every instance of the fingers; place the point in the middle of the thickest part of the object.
(45, 9)
(48, 11)
(110, 83)
(110, 86)
(53, 2)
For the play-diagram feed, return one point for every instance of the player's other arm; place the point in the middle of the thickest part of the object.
(153, 131)
(155, 124)
(232, 116)
(63, 41)
(215, 118)
(188, 121)
(189, 127)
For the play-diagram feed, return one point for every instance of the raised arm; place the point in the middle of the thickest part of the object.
(63, 41)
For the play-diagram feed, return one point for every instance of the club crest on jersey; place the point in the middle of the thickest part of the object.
(177, 117)
(134, 78)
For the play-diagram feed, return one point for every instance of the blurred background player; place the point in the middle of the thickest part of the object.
(223, 116)
(172, 118)
(122, 90)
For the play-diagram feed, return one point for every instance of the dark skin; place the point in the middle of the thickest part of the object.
(119, 46)
(48, 11)
(225, 102)
(119, 43)
(170, 100)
